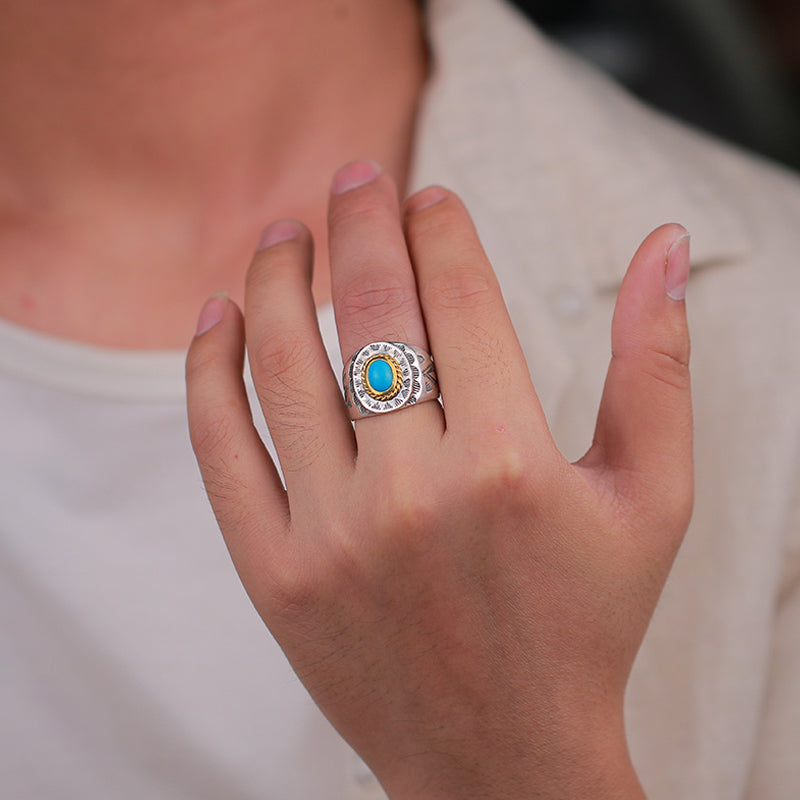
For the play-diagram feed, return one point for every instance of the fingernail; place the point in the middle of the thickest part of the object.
(212, 312)
(676, 276)
(353, 175)
(281, 231)
(425, 198)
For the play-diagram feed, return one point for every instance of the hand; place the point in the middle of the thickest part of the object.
(461, 602)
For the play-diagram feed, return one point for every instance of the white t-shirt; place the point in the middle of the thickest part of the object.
(132, 664)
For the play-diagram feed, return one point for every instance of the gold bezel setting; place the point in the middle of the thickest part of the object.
(413, 379)
(397, 378)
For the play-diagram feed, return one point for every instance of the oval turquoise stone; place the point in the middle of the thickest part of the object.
(380, 375)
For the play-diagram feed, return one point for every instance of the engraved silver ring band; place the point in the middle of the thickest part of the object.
(387, 376)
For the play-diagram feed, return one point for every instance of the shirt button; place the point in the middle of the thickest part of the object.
(570, 302)
(365, 784)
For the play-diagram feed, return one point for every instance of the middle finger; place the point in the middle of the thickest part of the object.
(374, 290)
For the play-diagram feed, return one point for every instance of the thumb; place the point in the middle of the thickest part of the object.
(644, 427)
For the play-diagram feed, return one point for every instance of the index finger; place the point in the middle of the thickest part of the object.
(482, 372)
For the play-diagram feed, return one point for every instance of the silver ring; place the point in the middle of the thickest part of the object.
(388, 376)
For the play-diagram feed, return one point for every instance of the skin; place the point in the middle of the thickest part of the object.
(144, 145)
(463, 603)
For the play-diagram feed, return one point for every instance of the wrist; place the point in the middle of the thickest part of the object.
(589, 761)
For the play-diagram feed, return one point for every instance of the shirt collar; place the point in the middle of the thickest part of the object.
(555, 161)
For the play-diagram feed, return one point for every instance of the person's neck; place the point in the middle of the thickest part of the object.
(145, 144)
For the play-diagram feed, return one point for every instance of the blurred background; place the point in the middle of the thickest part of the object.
(731, 67)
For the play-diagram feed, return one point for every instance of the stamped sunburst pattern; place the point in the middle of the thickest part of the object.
(386, 376)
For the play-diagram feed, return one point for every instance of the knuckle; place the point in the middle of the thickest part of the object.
(376, 299)
(412, 511)
(266, 270)
(282, 268)
(404, 515)
(341, 557)
(670, 368)
(438, 221)
(212, 434)
(282, 354)
(458, 287)
(285, 361)
(361, 208)
(224, 492)
(505, 475)
(293, 589)
(200, 360)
